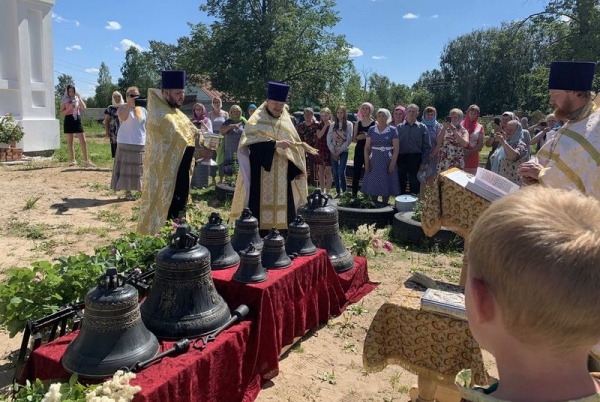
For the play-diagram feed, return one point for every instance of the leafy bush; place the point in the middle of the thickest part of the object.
(30, 293)
(362, 201)
(418, 211)
(9, 130)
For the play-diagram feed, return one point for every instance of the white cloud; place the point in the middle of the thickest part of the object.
(127, 43)
(410, 16)
(74, 47)
(92, 70)
(379, 57)
(355, 52)
(112, 25)
(59, 19)
(434, 16)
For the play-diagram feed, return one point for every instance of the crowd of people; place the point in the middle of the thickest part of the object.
(539, 335)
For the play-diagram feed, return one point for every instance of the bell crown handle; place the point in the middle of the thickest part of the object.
(299, 220)
(215, 219)
(111, 279)
(183, 238)
(246, 213)
(317, 199)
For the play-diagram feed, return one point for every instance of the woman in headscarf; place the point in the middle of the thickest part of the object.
(398, 116)
(511, 152)
(433, 128)
(381, 153)
(71, 106)
(201, 172)
(476, 132)
(492, 140)
(365, 122)
(232, 130)
(111, 121)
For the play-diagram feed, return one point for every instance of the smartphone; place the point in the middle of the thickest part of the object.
(497, 120)
(543, 124)
(448, 119)
(141, 102)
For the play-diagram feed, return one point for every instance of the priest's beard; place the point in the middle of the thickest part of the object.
(562, 113)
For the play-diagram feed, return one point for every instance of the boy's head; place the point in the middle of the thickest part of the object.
(534, 269)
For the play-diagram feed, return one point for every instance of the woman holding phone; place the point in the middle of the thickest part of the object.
(451, 142)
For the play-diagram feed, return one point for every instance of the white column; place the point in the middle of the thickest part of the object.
(27, 71)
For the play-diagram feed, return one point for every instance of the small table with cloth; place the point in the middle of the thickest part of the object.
(450, 205)
(235, 366)
(433, 346)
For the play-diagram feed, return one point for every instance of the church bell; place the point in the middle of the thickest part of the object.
(325, 230)
(215, 237)
(273, 252)
(298, 239)
(246, 232)
(112, 333)
(250, 269)
(183, 301)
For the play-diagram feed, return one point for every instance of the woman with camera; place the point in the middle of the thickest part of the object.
(511, 152)
(451, 142)
(476, 134)
(131, 138)
(71, 106)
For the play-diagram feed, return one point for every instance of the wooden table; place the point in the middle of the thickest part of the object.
(433, 346)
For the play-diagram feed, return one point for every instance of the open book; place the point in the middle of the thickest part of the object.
(451, 304)
(485, 183)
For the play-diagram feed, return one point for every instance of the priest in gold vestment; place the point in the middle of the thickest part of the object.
(571, 158)
(272, 176)
(168, 162)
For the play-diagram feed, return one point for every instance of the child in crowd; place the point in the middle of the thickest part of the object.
(532, 296)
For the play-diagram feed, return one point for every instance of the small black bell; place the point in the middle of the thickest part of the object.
(215, 237)
(273, 252)
(246, 232)
(298, 240)
(325, 230)
(250, 269)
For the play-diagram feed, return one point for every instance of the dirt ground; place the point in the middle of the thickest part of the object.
(76, 212)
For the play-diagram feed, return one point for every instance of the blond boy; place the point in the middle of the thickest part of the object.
(532, 295)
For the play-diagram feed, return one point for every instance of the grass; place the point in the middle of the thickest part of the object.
(97, 144)
(113, 218)
(30, 203)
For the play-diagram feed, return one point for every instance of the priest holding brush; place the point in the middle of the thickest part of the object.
(272, 177)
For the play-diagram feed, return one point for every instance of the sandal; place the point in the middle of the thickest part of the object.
(73, 163)
(88, 164)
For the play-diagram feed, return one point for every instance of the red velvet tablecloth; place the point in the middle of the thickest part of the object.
(233, 368)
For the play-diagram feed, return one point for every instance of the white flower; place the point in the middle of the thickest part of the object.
(53, 394)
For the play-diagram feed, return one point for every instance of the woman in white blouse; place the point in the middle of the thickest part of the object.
(339, 138)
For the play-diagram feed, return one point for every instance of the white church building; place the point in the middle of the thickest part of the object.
(27, 71)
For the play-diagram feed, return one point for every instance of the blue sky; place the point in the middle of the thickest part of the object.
(397, 38)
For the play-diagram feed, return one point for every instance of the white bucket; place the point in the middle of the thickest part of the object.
(406, 202)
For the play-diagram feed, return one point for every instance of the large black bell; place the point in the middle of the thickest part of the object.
(325, 230)
(215, 237)
(112, 333)
(250, 269)
(298, 240)
(246, 232)
(273, 252)
(183, 301)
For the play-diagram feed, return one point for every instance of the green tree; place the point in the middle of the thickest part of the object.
(105, 87)
(61, 87)
(421, 97)
(255, 41)
(138, 70)
(353, 92)
(163, 55)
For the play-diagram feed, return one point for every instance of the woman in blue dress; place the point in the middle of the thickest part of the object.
(381, 153)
